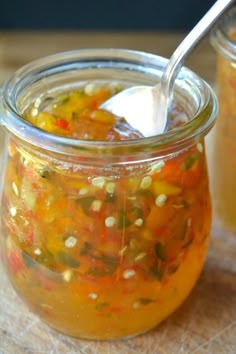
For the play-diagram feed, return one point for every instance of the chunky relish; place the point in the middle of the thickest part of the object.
(76, 114)
(103, 255)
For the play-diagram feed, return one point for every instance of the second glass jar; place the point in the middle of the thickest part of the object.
(224, 162)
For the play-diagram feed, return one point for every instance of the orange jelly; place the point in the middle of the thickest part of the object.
(102, 252)
(224, 164)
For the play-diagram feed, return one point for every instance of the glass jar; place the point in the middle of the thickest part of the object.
(103, 239)
(224, 163)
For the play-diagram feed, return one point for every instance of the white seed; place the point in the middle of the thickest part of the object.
(178, 206)
(189, 222)
(37, 102)
(128, 273)
(96, 205)
(90, 89)
(158, 166)
(83, 191)
(37, 251)
(114, 85)
(200, 147)
(132, 244)
(138, 222)
(160, 200)
(110, 221)
(15, 189)
(122, 251)
(136, 305)
(93, 296)
(110, 187)
(98, 182)
(146, 182)
(132, 198)
(181, 118)
(25, 161)
(70, 242)
(34, 112)
(67, 275)
(46, 307)
(140, 256)
(13, 211)
(24, 220)
(50, 200)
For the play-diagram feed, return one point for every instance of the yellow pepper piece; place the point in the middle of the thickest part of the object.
(162, 187)
(102, 116)
(45, 121)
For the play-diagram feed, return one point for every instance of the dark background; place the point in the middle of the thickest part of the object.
(102, 14)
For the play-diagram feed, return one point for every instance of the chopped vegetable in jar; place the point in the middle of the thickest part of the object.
(103, 255)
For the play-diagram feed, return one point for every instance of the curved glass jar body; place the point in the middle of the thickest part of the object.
(224, 163)
(104, 240)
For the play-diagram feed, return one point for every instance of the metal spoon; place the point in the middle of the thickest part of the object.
(147, 108)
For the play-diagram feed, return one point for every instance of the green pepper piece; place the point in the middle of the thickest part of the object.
(28, 260)
(85, 203)
(44, 172)
(101, 306)
(188, 243)
(46, 259)
(109, 262)
(98, 272)
(189, 162)
(137, 212)
(160, 251)
(67, 260)
(145, 301)
(123, 221)
(146, 193)
(156, 273)
(85, 249)
(61, 99)
(110, 198)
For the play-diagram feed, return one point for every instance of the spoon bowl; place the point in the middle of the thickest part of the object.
(147, 108)
(136, 104)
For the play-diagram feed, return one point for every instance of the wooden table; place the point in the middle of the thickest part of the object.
(206, 322)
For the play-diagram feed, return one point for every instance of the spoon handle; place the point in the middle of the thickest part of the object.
(176, 61)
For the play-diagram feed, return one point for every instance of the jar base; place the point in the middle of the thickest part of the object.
(100, 339)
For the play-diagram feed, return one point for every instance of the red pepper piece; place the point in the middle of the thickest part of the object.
(233, 84)
(15, 262)
(116, 308)
(62, 124)
(95, 104)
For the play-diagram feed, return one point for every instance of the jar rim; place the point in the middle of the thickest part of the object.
(220, 36)
(32, 135)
